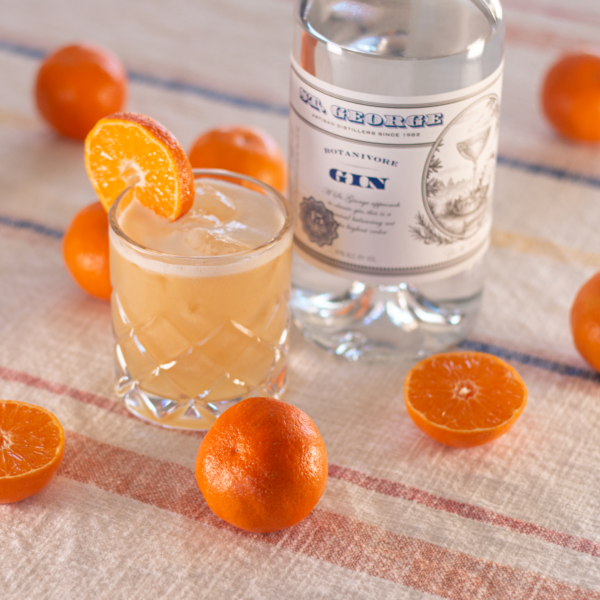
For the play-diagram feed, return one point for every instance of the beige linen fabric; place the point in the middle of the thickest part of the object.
(402, 517)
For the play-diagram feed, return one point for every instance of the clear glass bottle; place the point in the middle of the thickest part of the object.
(393, 138)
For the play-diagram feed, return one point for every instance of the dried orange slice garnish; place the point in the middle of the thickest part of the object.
(129, 149)
(464, 399)
(32, 444)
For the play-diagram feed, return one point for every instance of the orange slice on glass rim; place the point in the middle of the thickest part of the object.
(32, 444)
(464, 399)
(129, 149)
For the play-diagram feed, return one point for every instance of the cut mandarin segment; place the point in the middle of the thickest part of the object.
(130, 149)
(262, 466)
(464, 399)
(32, 444)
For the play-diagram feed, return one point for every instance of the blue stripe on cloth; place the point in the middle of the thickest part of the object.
(31, 226)
(549, 171)
(169, 84)
(22, 50)
(520, 357)
(196, 90)
(282, 111)
(534, 361)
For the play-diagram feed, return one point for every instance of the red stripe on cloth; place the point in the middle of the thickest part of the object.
(462, 509)
(541, 38)
(325, 536)
(63, 390)
(562, 13)
(382, 486)
(60, 389)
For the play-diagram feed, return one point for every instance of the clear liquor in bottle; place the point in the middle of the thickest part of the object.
(393, 141)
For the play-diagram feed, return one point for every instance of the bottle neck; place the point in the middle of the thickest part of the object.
(399, 48)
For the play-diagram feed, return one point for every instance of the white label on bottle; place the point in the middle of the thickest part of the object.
(388, 189)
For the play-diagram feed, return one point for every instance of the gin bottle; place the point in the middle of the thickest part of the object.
(393, 142)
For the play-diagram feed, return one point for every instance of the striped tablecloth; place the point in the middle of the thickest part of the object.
(402, 517)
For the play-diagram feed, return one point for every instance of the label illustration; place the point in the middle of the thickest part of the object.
(390, 189)
(457, 194)
(318, 222)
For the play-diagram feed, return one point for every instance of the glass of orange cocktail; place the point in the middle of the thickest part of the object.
(200, 305)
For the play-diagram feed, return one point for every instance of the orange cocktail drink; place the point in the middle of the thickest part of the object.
(200, 304)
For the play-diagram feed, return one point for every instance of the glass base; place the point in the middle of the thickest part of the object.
(382, 322)
(194, 414)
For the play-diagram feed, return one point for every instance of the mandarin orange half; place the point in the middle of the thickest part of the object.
(32, 444)
(133, 150)
(262, 466)
(464, 399)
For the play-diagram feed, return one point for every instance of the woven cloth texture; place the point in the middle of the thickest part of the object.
(402, 516)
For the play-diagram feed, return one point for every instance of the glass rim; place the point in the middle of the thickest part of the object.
(207, 260)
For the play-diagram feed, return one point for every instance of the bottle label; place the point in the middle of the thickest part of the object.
(387, 189)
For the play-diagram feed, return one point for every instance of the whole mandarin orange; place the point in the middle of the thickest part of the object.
(240, 149)
(585, 321)
(85, 250)
(571, 97)
(262, 466)
(77, 85)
